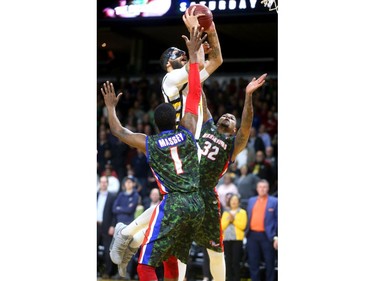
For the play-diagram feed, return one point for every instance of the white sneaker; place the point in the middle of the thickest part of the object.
(119, 244)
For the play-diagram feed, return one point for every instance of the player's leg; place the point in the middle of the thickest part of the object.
(124, 234)
(210, 235)
(161, 240)
(146, 273)
(181, 270)
(217, 265)
(130, 251)
(150, 255)
(171, 269)
(139, 223)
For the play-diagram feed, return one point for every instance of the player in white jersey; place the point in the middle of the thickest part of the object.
(174, 61)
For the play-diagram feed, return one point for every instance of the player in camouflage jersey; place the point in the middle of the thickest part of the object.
(220, 145)
(173, 158)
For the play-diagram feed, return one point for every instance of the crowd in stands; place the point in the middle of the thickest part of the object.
(131, 181)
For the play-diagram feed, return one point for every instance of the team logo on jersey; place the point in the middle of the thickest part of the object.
(215, 140)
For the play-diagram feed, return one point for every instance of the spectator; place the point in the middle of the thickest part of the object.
(246, 184)
(262, 168)
(154, 198)
(140, 168)
(113, 182)
(101, 147)
(126, 202)
(226, 188)
(271, 124)
(264, 136)
(109, 171)
(233, 223)
(270, 158)
(255, 144)
(105, 223)
(261, 235)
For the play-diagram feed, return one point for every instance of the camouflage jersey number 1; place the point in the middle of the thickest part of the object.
(216, 154)
(173, 158)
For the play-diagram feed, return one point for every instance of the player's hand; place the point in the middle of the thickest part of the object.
(193, 44)
(190, 19)
(256, 84)
(109, 95)
(212, 28)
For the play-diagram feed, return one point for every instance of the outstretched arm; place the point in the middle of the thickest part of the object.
(190, 21)
(136, 140)
(189, 121)
(243, 133)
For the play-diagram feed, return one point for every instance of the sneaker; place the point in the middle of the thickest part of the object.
(129, 253)
(122, 270)
(119, 244)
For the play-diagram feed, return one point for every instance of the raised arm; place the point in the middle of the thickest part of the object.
(215, 58)
(189, 121)
(243, 133)
(190, 21)
(136, 140)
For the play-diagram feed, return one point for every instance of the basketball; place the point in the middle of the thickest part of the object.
(206, 20)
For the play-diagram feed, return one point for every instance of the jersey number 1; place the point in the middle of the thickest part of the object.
(176, 160)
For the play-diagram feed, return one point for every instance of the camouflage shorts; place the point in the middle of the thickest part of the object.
(171, 228)
(209, 234)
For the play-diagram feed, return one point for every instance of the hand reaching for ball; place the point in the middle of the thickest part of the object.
(198, 14)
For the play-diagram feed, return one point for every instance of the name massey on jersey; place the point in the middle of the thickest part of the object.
(215, 140)
(170, 141)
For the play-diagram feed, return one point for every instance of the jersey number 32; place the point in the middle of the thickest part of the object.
(210, 153)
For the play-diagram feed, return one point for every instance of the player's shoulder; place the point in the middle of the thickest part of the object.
(209, 125)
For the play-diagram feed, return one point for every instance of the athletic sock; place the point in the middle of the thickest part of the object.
(138, 239)
(139, 223)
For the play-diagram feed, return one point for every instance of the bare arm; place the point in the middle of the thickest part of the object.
(206, 113)
(215, 58)
(189, 121)
(243, 133)
(190, 21)
(136, 140)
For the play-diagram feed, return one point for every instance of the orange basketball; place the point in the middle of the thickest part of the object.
(206, 20)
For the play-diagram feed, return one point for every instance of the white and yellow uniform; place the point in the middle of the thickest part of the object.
(175, 88)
